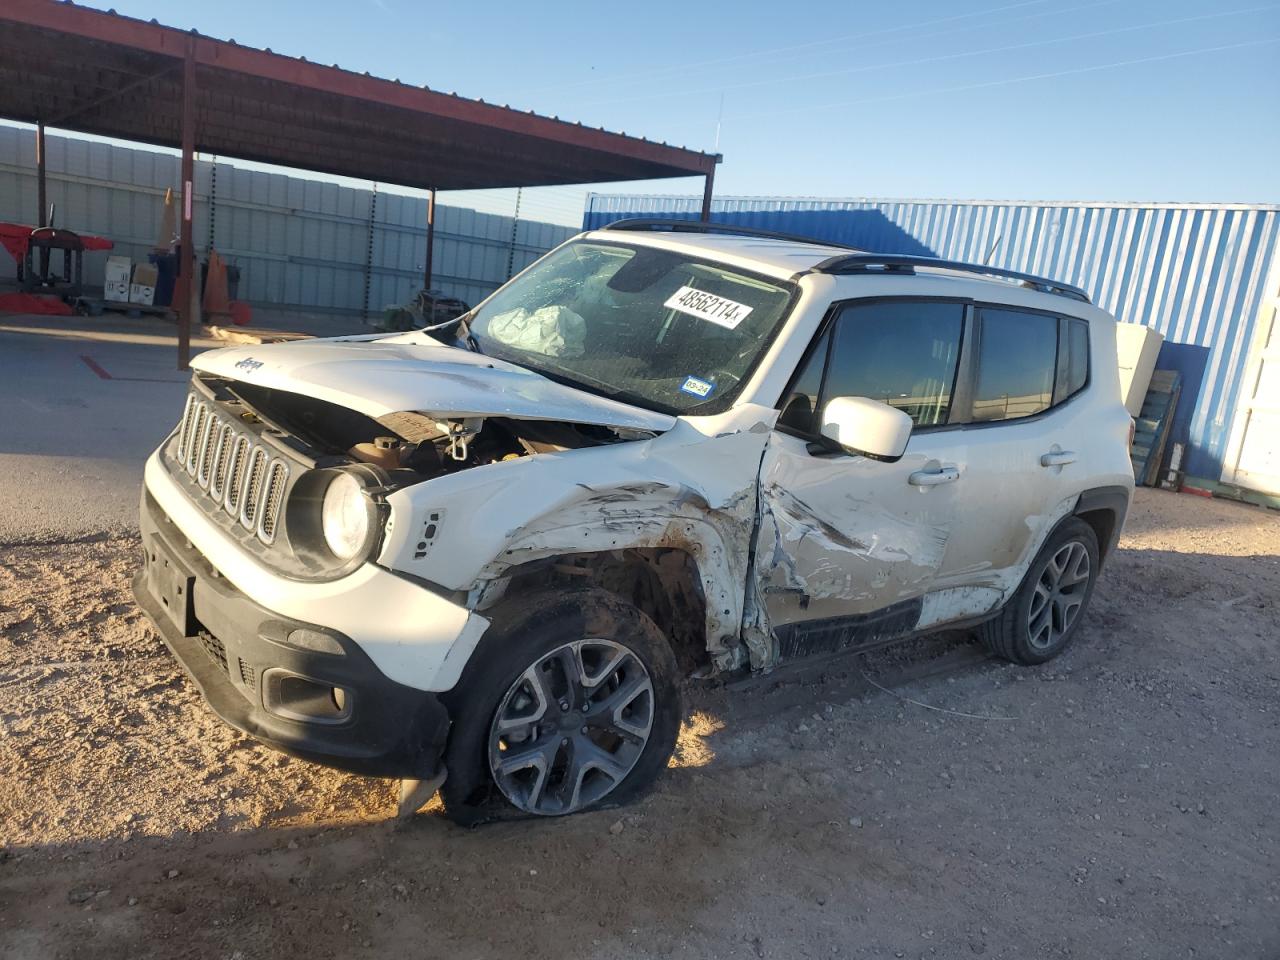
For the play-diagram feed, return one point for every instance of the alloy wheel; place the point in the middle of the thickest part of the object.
(1059, 596)
(571, 727)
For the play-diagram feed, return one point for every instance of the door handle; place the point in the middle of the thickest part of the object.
(931, 478)
(1058, 458)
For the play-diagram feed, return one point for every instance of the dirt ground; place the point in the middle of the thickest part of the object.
(1123, 801)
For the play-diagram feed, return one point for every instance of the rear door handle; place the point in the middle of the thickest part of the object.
(931, 478)
(1057, 458)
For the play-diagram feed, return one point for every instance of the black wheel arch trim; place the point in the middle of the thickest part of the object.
(1113, 500)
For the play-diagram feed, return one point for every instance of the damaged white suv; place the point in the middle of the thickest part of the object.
(486, 554)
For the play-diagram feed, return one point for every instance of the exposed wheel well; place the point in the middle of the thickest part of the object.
(1102, 521)
(1104, 509)
(662, 583)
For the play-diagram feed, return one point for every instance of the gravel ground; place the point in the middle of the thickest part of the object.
(1119, 802)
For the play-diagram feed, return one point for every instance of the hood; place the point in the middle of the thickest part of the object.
(382, 375)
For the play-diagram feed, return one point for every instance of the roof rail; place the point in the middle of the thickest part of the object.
(657, 225)
(893, 263)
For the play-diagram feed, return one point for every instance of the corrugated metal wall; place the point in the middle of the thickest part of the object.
(300, 244)
(1200, 274)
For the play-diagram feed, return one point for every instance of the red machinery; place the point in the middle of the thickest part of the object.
(46, 286)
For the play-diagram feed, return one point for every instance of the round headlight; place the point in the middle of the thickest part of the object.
(345, 517)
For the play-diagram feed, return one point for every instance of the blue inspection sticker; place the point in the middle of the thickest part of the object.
(699, 388)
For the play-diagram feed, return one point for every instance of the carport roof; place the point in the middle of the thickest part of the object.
(97, 72)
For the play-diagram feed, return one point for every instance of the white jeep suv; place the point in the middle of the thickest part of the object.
(485, 554)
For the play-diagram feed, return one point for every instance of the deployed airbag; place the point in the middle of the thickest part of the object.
(553, 331)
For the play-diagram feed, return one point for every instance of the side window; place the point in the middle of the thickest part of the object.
(1017, 364)
(900, 352)
(1073, 359)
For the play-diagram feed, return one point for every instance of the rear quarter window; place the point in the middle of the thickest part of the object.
(1017, 364)
(1073, 358)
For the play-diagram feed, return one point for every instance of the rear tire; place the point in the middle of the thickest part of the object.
(570, 702)
(1042, 618)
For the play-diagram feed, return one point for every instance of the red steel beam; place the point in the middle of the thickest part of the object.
(706, 195)
(42, 199)
(431, 241)
(190, 296)
(169, 41)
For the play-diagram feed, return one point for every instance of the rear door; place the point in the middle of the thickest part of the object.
(1017, 440)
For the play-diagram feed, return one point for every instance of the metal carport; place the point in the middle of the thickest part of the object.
(90, 71)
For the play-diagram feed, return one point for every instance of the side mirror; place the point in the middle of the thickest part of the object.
(867, 427)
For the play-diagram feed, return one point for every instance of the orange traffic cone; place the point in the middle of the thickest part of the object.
(217, 306)
(168, 223)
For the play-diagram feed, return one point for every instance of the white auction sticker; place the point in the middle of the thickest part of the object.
(699, 303)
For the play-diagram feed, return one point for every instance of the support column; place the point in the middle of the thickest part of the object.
(706, 195)
(42, 194)
(431, 238)
(187, 297)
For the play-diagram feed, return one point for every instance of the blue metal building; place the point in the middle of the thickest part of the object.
(1206, 276)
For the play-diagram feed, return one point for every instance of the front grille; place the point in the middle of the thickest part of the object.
(248, 676)
(213, 647)
(238, 474)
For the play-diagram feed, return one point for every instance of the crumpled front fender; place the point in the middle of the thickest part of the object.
(692, 488)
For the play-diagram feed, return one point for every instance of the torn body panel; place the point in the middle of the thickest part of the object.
(850, 551)
(843, 536)
(691, 489)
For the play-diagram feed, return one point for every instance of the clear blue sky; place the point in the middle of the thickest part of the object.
(992, 99)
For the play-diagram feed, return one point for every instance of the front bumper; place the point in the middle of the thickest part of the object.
(280, 692)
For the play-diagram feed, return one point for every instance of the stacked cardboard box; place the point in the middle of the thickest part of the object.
(116, 285)
(143, 289)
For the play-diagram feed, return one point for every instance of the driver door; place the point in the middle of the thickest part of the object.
(848, 546)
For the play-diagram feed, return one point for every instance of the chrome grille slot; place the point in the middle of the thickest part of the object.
(251, 499)
(212, 437)
(230, 468)
(272, 500)
(184, 434)
(198, 424)
(221, 460)
(235, 474)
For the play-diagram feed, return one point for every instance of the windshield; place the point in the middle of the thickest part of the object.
(658, 328)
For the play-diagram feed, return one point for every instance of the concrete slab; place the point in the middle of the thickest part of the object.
(83, 401)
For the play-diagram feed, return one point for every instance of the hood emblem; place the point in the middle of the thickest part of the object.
(248, 364)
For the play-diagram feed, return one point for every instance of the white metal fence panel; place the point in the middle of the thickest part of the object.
(1195, 272)
(301, 244)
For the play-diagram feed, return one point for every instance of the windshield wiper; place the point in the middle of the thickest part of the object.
(464, 332)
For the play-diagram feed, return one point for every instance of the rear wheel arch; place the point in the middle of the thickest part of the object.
(1104, 509)
(1006, 634)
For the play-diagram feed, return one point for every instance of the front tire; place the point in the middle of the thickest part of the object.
(1043, 616)
(570, 702)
